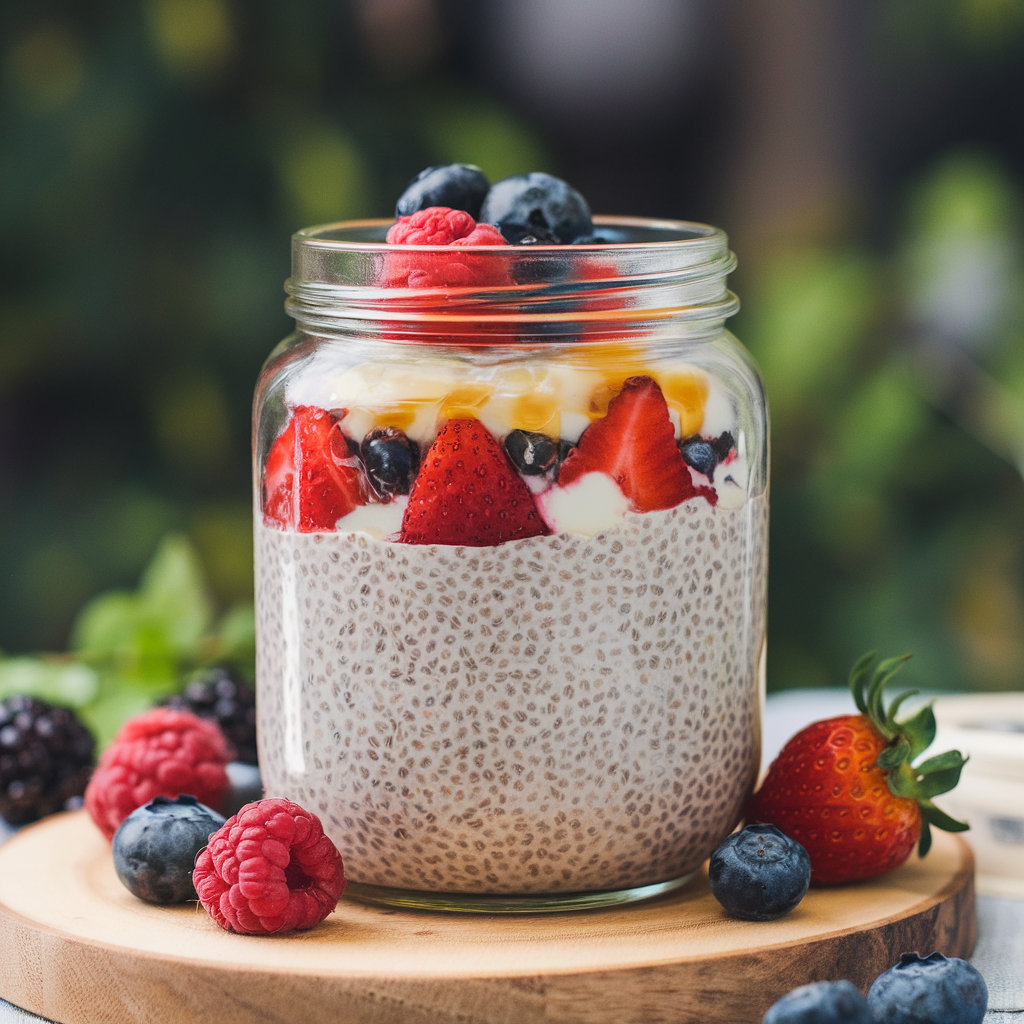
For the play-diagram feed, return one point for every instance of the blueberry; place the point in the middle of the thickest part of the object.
(821, 1002)
(457, 186)
(929, 990)
(391, 461)
(531, 453)
(528, 203)
(155, 847)
(759, 874)
(699, 454)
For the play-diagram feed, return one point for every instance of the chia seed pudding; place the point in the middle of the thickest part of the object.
(556, 714)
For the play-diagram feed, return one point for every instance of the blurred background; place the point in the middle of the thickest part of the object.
(865, 156)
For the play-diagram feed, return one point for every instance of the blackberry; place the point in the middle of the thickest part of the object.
(218, 695)
(46, 758)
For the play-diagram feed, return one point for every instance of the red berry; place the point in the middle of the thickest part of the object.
(468, 493)
(635, 445)
(330, 481)
(436, 225)
(269, 869)
(826, 791)
(482, 234)
(159, 753)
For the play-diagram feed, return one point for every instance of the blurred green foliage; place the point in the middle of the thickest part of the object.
(897, 388)
(130, 648)
(154, 158)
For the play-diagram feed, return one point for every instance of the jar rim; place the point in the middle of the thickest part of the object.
(346, 278)
(678, 233)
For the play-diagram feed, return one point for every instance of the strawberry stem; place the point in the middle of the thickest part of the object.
(906, 741)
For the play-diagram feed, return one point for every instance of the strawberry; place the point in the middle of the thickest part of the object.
(468, 493)
(635, 445)
(846, 789)
(329, 484)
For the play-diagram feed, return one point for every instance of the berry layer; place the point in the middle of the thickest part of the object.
(500, 452)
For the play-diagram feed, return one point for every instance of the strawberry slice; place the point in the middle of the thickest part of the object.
(467, 492)
(329, 484)
(635, 445)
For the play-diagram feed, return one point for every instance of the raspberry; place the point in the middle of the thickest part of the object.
(159, 753)
(436, 225)
(269, 869)
(482, 234)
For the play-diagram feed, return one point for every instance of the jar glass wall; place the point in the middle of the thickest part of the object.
(511, 528)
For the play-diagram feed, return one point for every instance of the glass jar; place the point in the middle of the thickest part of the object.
(511, 514)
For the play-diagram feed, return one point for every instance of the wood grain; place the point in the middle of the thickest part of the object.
(75, 946)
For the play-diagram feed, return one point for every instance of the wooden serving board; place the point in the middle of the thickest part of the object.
(75, 946)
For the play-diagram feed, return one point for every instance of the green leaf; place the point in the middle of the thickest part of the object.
(940, 774)
(107, 625)
(894, 755)
(950, 759)
(857, 674)
(119, 700)
(58, 681)
(919, 730)
(173, 596)
(903, 782)
(924, 844)
(236, 637)
(890, 717)
(931, 813)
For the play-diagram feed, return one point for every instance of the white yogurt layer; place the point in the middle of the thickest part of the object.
(556, 398)
(588, 506)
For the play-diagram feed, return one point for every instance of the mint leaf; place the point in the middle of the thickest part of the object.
(173, 596)
(106, 626)
(55, 680)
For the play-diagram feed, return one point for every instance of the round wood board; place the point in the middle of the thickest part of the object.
(75, 946)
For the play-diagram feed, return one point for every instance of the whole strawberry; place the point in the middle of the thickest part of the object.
(847, 788)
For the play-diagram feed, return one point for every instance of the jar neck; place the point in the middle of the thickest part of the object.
(648, 279)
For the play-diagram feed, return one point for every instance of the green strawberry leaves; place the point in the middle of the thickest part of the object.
(907, 740)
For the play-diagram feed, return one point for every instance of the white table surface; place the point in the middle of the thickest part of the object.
(999, 954)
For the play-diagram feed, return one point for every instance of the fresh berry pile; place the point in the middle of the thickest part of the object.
(471, 484)
(847, 788)
(219, 695)
(46, 758)
(159, 753)
(269, 869)
(155, 847)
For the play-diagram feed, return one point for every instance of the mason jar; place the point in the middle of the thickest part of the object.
(511, 510)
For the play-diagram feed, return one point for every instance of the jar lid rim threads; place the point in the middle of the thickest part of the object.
(345, 278)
